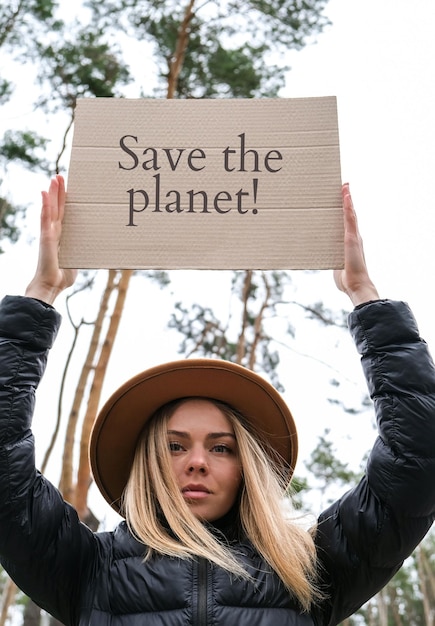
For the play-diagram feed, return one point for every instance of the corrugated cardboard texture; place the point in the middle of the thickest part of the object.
(204, 184)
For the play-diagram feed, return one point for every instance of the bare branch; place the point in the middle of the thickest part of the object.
(65, 135)
(241, 342)
(258, 323)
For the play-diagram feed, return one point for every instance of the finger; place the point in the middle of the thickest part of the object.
(350, 219)
(45, 220)
(53, 198)
(61, 196)
(52, 208)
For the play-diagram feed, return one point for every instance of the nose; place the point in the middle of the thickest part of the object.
(197, 462)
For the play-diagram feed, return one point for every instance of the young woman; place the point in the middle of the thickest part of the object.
(196, 454)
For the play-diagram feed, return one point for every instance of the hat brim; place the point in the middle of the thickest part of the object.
(121, 420)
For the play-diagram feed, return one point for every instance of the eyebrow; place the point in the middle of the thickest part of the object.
(186, 435)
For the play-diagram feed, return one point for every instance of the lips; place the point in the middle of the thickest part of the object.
(195, 492)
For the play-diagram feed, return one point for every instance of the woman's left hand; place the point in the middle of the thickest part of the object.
(353, 279)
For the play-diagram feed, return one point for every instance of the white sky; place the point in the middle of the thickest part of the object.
(378, 58)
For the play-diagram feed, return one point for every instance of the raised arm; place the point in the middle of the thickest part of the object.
(50, 279)
(43, 545)
(354, 279)
(364, 537)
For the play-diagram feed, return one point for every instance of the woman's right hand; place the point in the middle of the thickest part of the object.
(50, 279)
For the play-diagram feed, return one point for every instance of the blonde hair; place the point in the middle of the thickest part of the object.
(152, 496)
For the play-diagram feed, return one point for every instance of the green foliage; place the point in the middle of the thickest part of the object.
(19, 21)
(231, 47)
(42, 9)
(79, 64)
(202, 333)
(8, 217)
(20, 26)
(210, 68)
(297, 491)
(6, 90)
(24, 146)
(327, 469)
(282, 22)
(27, 148)
(70, 61)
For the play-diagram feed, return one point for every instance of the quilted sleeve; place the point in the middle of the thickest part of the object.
(365, 536)
(43, 546)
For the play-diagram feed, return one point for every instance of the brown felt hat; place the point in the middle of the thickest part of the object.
(124, 415)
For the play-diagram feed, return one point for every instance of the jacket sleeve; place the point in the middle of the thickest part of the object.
(43, 546)
(364, 537)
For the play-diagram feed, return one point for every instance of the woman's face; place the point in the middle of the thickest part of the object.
(204, 458)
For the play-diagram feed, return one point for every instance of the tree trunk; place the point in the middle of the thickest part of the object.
(258, 323)
(8, 598)
(66, 485)
(383, 608)
(429, 574)
(425, 580)
(241, 342)
(371, 620)
(177, 60)
(394, 606)
(84, 472)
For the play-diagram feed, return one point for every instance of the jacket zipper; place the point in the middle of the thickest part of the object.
(202, 592)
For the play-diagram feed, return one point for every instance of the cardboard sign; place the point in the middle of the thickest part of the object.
(204, 184)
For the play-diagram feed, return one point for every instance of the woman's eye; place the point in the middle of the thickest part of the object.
(221, 448)
(174, 446)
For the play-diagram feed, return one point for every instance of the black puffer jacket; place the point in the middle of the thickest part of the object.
(100, 579)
